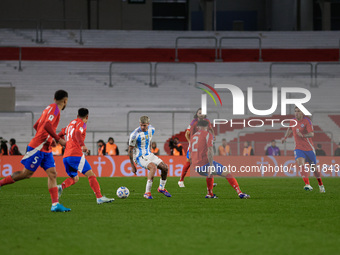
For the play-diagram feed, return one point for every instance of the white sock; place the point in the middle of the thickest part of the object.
(162, 184)
(148, 186)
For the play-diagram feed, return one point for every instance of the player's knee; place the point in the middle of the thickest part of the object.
(76, 179)
(165, 168)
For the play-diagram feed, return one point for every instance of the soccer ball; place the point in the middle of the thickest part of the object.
(123, 192)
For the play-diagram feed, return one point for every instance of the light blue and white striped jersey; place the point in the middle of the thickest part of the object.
(141, 141)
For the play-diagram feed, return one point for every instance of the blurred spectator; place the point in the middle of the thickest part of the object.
(58, 150)
(112, 148)
(101, 148)
(273, 150)
(14, 148)
(154, 148)
(176, 149)
(3, 148)
(224, 149)
(319, 151)
(247, 150)
(337, 151)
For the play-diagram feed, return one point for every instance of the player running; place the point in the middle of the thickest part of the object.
(39, 151)
(202, 153)
(191, 130)
(74, 159)
(304, 148)
(139, 153)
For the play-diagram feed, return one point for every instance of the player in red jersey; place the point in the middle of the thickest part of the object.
(202, 153)
(74, 159)
(39, 151)
(191, 130)
(304, 149)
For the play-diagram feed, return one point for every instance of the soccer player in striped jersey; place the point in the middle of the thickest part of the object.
(39, 151)
(139, 153)
(304, 149)
(202, 153)
(74, 158)
(191, 130)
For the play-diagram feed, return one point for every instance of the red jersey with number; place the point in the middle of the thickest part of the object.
(199, 144)
(75, 134)
(193, 126)
(304, 126)
(42, 137)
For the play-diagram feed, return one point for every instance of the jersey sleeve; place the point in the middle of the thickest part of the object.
(133, 139)
(209, 125)
(309, 126)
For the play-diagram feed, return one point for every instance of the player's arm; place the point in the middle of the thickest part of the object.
(79, 139)
(187, 135)
(49, 129)
(288, 132)
(130, 153)
(308, 135)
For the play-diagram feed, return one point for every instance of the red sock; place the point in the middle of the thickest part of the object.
(210, 185)
(95, 186)
(232, 181)
(54, 194)
(319, 181)
(7, 180)
(67, 183)
(304, 174)
(185, 170)
(318, 177)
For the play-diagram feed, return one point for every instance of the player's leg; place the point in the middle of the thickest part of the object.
(300, 162)
(164, 174)
(71, 165)
(186, 168)
(231, 180)
(48, 164)
(152, 170)
(317, 172)
(16, 176)
(96, 187)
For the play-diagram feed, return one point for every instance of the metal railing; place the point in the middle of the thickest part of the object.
(195, 38)
(246, 38)
(128, 131)
(174, 63)
(291, 64)
(30, 112)
(42, 21)
(20, 53)
(316, 69)
(130, 63)
(36, 21)
(279, 131)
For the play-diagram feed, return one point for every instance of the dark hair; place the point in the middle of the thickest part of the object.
(319, 145)
(100, 141)
(12, 140)
(202, 123)
(60, 94)
(195, 116)
(83, 112)
(111, 138)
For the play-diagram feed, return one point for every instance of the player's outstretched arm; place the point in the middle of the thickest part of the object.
(187, 135)
(130, 153)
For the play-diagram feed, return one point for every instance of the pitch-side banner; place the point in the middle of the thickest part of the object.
(238, 166)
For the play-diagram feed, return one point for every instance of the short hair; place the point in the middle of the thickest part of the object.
(202, 123)
(144, 119)
(110, 138)
(100, 141)
(12, 140)
(83, 112)
(60, 94)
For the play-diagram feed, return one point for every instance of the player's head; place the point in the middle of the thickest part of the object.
(202, 124)
(83, 114)
(110, 140)
(61, 97)
(298, 113)
(144, 122)
(199, 115)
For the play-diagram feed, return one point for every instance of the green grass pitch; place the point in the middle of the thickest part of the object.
(280, 218)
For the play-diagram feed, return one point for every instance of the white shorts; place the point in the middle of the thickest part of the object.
(144, 161)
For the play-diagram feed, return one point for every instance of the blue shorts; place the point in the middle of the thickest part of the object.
(75, 164)
(309, 156)
(34, 158)
(203, 170)
(188, 154)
